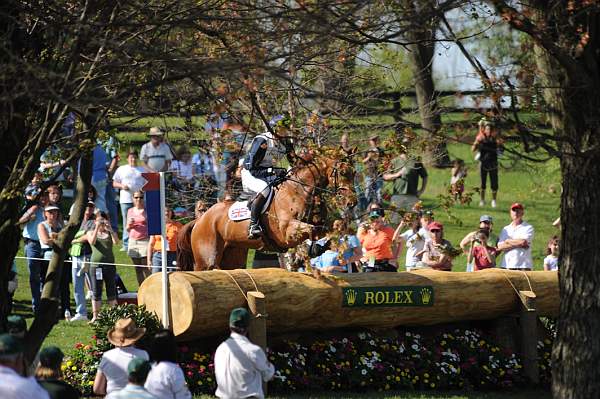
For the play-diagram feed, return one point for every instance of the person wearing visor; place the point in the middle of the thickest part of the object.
(435, 253)
(259, 172)
(380, 253)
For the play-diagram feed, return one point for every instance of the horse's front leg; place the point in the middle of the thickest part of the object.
(297, 231)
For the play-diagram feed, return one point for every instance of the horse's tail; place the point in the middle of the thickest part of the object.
(185, 256)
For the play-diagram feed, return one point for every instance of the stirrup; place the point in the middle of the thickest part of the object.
(255, 231)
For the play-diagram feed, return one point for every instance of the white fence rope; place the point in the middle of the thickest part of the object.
(98, 263)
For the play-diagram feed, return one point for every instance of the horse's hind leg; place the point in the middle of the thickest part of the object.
(234, 258)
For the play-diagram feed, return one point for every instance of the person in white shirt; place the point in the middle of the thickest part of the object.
(240, 365)
(166, 379)
(112, 372)
(128, 179)
(12, 383)
(415, 242)
(515, 241)
(156, 154)
(551, 260)
(183, 167)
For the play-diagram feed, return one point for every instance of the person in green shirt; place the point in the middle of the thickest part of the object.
(102, 268)
(404, 176)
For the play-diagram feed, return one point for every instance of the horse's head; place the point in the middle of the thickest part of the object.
(338, 170)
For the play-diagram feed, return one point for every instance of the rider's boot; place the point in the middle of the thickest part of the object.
(255, 230)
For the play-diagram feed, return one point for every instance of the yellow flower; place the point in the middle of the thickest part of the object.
(74, 368)
(90, 383)
(397, 378)
(199, 382)
(69, 363)
(426, 375)
(63, 367)
(432, 385)
(287, 371)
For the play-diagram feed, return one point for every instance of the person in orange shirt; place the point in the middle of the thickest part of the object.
(155, 244)
(378, 245)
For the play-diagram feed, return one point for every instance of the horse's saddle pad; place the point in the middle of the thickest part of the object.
(240, 211)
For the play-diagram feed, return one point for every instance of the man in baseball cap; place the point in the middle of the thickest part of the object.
(16, 326)
(240, 365)
(12, 383)
(137, 372)
(485, 223)
(515, 241)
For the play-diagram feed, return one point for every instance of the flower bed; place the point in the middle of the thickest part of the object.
(454, 359)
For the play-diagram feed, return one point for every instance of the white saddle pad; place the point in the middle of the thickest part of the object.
(240, 211)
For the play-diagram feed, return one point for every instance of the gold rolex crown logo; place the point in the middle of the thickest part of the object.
(351, 297)
(425, 295)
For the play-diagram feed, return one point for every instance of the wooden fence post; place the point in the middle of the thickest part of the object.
(529, 336)
(258, 325)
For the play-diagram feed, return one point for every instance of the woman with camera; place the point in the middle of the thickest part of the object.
(102, 268)
(137, 228)
(376, 238)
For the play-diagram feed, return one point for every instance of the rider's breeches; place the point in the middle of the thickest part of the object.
(255, 184)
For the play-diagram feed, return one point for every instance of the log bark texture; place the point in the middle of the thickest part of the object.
(201, 301)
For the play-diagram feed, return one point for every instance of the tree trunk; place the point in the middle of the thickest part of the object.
(201, 301)
(576, 347)
(47, 317)
(573, 106)
(420, 56)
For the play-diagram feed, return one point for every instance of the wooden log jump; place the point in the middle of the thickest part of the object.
(201, 301)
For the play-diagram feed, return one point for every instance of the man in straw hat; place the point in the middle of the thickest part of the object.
(112, 372)
(12, 383)
(156, 154)
(137, 372)
(241, 366)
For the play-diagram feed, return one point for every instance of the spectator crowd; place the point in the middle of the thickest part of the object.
(394, 182)
(390, 224)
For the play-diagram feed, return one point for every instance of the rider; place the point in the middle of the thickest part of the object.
(259, 173)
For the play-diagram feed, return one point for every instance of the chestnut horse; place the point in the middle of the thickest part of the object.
(217, 242)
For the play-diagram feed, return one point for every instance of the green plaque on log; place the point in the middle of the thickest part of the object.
(361, 297)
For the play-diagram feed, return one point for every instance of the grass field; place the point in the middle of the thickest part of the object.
(537, 186)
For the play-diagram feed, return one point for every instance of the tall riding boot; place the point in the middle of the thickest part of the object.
(255, 230)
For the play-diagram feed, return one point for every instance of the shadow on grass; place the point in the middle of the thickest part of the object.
(511, 394)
